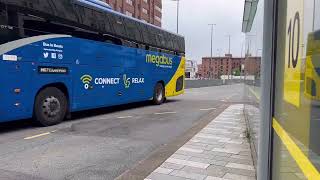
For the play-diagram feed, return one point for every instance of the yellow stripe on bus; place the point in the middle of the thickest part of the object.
(171, 86)
(303, 162)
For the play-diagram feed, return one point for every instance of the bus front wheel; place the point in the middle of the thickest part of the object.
(158, 94)
(50, 106)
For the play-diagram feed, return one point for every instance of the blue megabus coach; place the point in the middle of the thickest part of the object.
(62, 56)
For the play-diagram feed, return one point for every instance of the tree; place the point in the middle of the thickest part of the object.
(236, 72)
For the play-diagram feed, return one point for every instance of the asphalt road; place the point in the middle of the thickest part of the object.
(105, 143)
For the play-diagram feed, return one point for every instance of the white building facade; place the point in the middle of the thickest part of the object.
(191, 69)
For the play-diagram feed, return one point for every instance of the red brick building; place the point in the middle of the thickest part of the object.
(147, 10)
(252, 66)
(200, 71)
(215, 67)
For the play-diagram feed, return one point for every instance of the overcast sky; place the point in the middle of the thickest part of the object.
(195, 15)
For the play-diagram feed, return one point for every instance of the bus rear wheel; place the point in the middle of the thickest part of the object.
(158, 94)
(50, 106)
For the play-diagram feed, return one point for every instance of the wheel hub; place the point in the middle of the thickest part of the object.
(51, 106)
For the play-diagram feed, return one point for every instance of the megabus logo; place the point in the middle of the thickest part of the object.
(160, 61)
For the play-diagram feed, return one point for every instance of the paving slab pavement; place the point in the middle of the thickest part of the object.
(220, 151)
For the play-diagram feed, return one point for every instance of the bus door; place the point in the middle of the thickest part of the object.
(15, 72)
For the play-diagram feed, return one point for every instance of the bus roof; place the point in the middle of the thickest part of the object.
(100, 18)
(92, 4)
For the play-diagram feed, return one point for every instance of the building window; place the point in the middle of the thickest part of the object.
(128, 13)
(158, 8)
(129, 2)
(146, 1)
(144, 11)
(157, 18)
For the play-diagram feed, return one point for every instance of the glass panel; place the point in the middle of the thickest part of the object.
(296, 122)
(251, 70)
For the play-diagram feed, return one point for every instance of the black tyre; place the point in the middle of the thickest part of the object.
(50, 106)
(158, 94)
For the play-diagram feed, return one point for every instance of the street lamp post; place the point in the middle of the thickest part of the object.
(178, 7)
(314, 14)
(229, 49)
(212, 25)
(248, 37)
(242, 48)
(229, 53)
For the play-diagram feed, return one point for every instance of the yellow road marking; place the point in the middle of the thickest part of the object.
(36, 136)
(303, 162)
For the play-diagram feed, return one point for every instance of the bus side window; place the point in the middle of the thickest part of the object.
(83, 14)
(3, 15)
(145, 34)
(93, 19)
(152, 35)
(132, 30)
(118, 26)
(181, 43)
(160, 40)
(175, 43)
(64, 10)
(107, 25)
(8, 32)
(100, 20)
(168, 39)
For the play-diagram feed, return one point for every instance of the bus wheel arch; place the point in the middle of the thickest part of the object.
(51, 104)
(159, 93)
